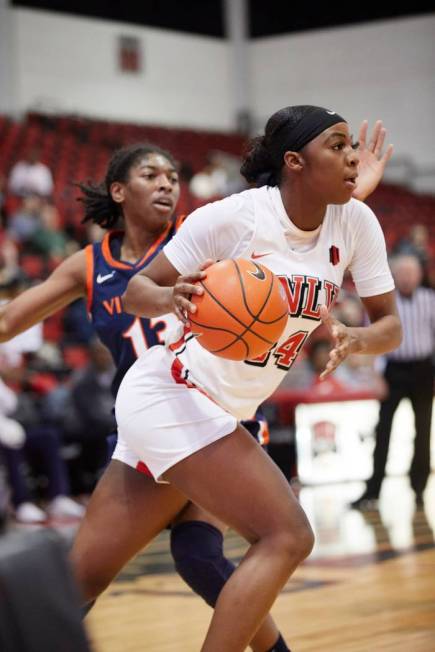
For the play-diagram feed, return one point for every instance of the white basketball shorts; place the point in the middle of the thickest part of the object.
(162, 417)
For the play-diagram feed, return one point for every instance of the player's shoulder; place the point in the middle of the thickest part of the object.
(236, 211)
(74, 267)
(238, 204)
(76, 261)
(353, 216)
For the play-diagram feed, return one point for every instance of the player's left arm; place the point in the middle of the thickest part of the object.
(372, 159)
(384, 333)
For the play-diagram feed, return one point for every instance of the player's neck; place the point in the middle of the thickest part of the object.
(306, 212)
(137, 241)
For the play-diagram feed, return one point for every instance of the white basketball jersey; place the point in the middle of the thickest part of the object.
(254, 224)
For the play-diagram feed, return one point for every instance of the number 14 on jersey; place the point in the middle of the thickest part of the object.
(285, 354)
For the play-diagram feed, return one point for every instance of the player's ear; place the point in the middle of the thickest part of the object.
(293, 161)
(117, 191)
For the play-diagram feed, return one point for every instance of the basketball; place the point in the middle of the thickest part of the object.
(242, 312)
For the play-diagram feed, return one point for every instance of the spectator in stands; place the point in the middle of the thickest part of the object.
(211, 181)
(42, 441)
(416, 244)
(349, 309)
(12, 352)
(305, 374)
(41, 453)
(12, 434)
(26, 444)
(93, 402)
(9, 270)
(12, 438)
(359, 374)
(92, 394)
(356, 373)
(25, 222)
(408, 374)
(48, 239)
(31, 177)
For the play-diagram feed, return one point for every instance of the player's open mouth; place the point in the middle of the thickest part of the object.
(163, 204)
(350, 182)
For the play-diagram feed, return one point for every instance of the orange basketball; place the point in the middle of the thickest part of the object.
(242, 312)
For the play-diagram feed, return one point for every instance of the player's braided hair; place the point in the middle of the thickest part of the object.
(97, 200)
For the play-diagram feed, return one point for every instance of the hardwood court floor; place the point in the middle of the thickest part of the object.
(369, 585)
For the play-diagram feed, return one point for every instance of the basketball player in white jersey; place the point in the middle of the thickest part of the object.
(178, 407)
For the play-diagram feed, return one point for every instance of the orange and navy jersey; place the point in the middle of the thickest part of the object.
(125, 335)
(258, 427)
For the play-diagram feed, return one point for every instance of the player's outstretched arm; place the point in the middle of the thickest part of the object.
(372, 159)
(64, 285)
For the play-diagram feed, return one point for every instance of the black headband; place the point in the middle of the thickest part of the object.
(293, 137)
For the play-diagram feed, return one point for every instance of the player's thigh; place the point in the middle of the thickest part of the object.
(236, 481)
(126, 511)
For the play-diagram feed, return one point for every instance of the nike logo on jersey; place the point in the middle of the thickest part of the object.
(101, 278)
(259, 273)
(254, 255)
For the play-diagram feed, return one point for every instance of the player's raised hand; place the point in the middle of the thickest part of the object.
(372, 159)
(344, 341)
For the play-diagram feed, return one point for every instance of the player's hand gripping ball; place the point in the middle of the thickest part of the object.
(242, 312)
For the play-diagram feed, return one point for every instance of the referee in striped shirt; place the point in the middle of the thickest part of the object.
(409, 373)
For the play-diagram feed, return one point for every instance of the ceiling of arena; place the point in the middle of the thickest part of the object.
(267, 17)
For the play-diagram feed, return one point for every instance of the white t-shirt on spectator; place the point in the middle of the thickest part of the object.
(31, 179)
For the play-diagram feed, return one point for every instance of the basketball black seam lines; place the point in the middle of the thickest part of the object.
(248, 328)
(224, 330)
(256, 317)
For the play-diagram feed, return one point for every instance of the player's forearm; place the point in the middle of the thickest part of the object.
(380, 337)
(12, 323)
(145, 298)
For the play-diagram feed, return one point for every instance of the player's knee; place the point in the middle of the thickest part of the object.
(92, 578)
(305, 542)
(293, 544)
(197, 549)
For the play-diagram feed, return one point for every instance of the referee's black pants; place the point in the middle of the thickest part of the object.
(413, 380)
